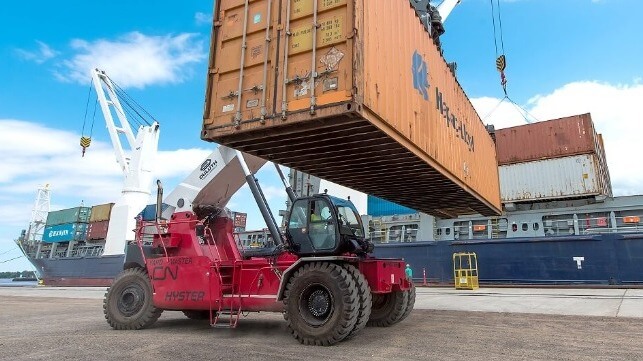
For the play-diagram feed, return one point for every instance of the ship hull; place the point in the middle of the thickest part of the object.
(608, 259)
(81, 271)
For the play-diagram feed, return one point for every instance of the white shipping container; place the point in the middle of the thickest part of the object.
(557, 178)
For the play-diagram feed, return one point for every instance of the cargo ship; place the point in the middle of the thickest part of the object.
(69, 252)
(560, 224)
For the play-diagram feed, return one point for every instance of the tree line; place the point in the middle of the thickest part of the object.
(23, 274)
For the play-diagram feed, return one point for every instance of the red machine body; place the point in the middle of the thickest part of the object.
(199, 266)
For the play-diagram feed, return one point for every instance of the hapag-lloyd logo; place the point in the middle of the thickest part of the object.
(420, 75)
(420, 71)
(206, 167)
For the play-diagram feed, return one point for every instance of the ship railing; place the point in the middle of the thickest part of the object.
(394, 234)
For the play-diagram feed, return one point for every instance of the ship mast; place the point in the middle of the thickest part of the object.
(39, 215)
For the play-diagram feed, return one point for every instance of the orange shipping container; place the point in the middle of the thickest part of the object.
(352, 91)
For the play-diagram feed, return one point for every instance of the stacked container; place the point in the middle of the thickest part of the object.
(99, 221)
(555, 159)
(67, 225)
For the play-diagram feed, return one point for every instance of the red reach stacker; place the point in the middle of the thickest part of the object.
(319, 274)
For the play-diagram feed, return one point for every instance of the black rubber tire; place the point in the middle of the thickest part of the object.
(388, 308)
(365, 299)
(128, 303)
(197, 315)
(410, 304)
(336, 301)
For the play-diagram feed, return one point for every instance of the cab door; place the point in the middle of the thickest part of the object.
(312, 227)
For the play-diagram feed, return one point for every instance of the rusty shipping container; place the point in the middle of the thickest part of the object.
(97, 230)
(548, 139)
(352, 91)
(101, 212)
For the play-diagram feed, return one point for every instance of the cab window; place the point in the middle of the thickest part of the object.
(298, 214)
(347, 217)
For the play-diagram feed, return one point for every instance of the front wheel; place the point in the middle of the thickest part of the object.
(128, 303)
(321, 304)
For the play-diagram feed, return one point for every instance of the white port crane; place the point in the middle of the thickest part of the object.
(136, 156)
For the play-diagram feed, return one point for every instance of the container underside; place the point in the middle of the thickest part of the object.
(349, 150)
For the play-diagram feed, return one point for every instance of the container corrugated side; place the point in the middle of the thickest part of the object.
(556, 178)
(69, 215)
(65, 232)
(378, 207)
(548, 139)
(101, 212)
(97, 230)
(371, 106)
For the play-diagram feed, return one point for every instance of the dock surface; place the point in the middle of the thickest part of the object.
(43, 323)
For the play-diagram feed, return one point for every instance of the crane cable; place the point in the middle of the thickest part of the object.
(501, 60)
(85, 142)
(501, 64)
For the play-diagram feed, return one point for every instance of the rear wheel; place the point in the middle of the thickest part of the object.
(411, 302)
(321, 304)
(388, 308)
(128, 303)
(197, 315)
(365, 299)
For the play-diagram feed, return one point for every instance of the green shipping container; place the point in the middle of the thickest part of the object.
(101, 212)
(71, 215)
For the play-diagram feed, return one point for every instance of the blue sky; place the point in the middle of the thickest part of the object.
(564, 57)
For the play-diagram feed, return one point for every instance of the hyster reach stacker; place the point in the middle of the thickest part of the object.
(319, 273)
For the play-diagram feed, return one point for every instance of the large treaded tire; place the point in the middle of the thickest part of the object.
(410, 304)
(365, 299)
(128, 303)
(388, 308)
(321, 304)
(197, 315)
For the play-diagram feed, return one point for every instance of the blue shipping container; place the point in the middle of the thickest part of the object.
(65, 232)
(149, 212)
(379, 207)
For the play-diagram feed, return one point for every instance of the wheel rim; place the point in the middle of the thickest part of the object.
(316, 304)
(131, 300)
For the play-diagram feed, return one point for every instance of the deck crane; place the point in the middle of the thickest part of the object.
(136, 157)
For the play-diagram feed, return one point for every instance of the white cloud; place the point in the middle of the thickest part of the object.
(617, 112)
(202, 18)
(41, 55)
(34, 155)
(134, 59)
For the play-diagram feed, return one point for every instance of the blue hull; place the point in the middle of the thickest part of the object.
(608, 259)
(80, 271)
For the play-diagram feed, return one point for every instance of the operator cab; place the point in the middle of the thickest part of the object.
(325, 225)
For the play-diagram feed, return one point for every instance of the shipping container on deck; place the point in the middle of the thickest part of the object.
(556, 178)
(364, 100)
(64, 232)
(70, 215)
(101, 212)
(148, 213)
(548, 139)
(97, 230)
(378, 207)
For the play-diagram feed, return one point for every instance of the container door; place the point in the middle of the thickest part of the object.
(241, 72)
(317, 54)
